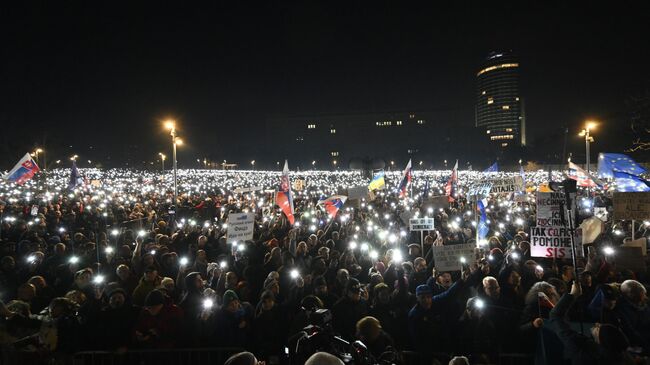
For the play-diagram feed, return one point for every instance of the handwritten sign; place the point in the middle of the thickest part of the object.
(240, 227)
(554, 242)
(632, 206)
(447, 258)
(421, 224)
(549, 209)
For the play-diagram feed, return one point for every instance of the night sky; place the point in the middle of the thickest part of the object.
(106, 75)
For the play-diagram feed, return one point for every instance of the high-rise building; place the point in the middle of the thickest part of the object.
(499, 105)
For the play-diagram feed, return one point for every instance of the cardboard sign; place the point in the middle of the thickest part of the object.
(630, 206)
(357, 192)
(240, 227)
(554, 242)
(421, 224)
(447, 258)
(591, 227)
(299, 184)
(549, 208)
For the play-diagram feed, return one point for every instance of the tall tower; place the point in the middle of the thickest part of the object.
(499, 106)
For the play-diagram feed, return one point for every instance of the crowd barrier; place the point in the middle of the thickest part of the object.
(207, 356)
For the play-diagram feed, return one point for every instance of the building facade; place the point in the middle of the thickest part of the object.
(333, 140)
(499, 105)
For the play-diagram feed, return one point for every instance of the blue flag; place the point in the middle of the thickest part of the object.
(610, 163)
(629, 183)
(483, 228)
(493, 168)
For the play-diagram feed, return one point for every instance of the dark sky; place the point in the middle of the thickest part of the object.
(105, 75)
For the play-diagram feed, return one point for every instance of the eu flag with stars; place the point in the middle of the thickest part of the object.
(609, 163)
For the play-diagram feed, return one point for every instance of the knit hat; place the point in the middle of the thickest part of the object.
(422, 290)
(228, 297)
(242, 358)
(155, 297)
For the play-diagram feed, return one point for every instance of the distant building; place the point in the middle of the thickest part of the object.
(428, 136)
(499, 105)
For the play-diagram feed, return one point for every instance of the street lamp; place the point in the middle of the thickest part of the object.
(313, 164)
(588, 139)
(74, 158)
(253, 165)
(36, 153)
(162, 159)
(171, 125)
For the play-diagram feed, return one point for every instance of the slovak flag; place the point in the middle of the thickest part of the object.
(580, 175)
(24, 170)
(406, 180)
(283, 198)
(452, 184)
(333, 204)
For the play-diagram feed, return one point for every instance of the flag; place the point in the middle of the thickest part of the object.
(580, 176)
(406, 180)
(377, 182)
(333, 204)
(609, 163)
(283, 198)
(629, 183)
(493, 168)
(24, 170)
(483, 228)
(452, 184)
(75, 179)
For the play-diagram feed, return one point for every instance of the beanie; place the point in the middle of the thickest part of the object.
(228, 297)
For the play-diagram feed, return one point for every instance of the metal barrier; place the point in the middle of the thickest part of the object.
(212, 356)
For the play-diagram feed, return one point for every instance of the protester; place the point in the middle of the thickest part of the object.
(106, 266)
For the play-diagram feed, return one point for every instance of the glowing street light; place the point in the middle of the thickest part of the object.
(253, 165)
(171, 126)
(590, 125)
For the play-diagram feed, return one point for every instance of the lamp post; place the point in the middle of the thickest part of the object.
(588, 139)
(36, 153)
(171, 125)
(162, 160)
(253, 165)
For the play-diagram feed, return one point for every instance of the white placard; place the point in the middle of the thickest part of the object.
(421, 224)
(549, 207)
(554, 242)
(240, 227)
(447, 258)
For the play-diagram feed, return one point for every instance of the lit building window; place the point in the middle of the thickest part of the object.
(335, 153)
(332, 131)
(490, 101)
(517, 98)
(413, 151)
(504, 145)
(420, 121)
(483, 92)
(386, 123)
(496, 67)
(488, 131)
(508, 129)
(311, 126)
(299, 139)
(411, 116)
(500, 137)
(506, 107)
(399, 122)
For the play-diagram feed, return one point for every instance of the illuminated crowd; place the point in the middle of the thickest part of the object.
(111, 264)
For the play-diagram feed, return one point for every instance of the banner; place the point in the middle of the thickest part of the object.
(481, 189)
(549, 208)
(357, 192)
(447, 258)
(240, 227)
(507, 185)
(630, 206)
(554, 242)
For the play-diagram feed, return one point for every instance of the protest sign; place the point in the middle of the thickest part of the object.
(447, 258)
(240, 227)
(481, 189)
(549, 208)
(247, 190)
(357, 192)
(554, 242)
(421, 224)
(299, 184)
(591, 227)
(507, 185)
(601, 213)
(632, 206)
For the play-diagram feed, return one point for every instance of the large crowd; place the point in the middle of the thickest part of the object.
(112, 263)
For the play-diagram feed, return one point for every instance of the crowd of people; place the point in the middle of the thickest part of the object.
(113, 263)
